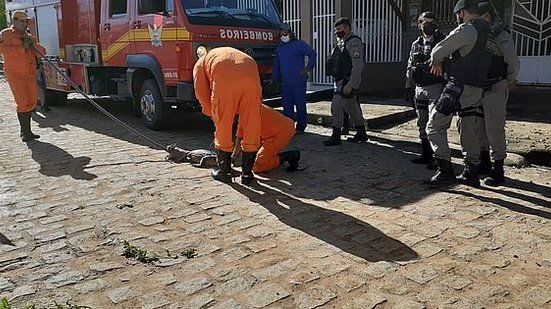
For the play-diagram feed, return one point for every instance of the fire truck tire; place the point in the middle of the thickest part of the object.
(154, 110)
(51, 97)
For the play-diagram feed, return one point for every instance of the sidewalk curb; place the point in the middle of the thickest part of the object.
(377, 123)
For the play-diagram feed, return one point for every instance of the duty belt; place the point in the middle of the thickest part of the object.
(490, 82)
(471, 112)
(422, 104)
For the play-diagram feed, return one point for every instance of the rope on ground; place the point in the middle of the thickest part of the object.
(96, 105)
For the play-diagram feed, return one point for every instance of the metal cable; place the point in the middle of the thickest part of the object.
(96, 105)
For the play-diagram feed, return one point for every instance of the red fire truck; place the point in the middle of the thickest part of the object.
(144, 49)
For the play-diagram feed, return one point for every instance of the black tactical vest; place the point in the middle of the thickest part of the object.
(420, 69)
(498, 67)
(339, 64)
(473, 69)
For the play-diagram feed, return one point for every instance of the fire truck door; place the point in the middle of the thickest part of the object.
(155, 34)
(115, 31)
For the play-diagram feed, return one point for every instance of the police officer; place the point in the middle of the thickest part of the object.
(427, 86)
(502, 75)
(346, 65)
(469, 65)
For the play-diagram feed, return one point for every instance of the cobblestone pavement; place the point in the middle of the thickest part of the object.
(354, 230)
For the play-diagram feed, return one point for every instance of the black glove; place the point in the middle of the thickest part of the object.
(27, 41)
(448, 102)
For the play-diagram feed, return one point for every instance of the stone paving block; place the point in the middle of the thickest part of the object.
(379, 269)
(104, 266)
(234, 254)
(427, 249)
(192, 286)
(200, 301)
(421, 273)
(303, 275)
(259, 231)
(54, 219)
(197, 218)
(229, 304)
(259, 246)
(233, 286)
(57, 257)
(155, 300)
(152, 221)
(351, 282)
(265, 294)
(466, 232)
(269, 272)
(64, 278)
(331, 266)
(50, 236)
(198, 265)
(21, 291)
(122, 294)
(314, 297)
(406, 303)
(91, 286)
(368, 300)
(58, 245)
(6, 284)
(410, 239)
(538, 296)
(456, 282)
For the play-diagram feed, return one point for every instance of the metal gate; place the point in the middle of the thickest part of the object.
(380, 29)
(291, 15)
(443, 10)
(531, 29)
(323, 19)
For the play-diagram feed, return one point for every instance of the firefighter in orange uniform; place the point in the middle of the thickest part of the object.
(227, 84)
(277, 132)
(16, 46)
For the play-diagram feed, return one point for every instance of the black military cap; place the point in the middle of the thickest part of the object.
(466, 4)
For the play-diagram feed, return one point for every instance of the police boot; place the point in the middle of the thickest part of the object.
(335, 138)
(485, 164)
(496, 176)
(25, 122)
(290, 156)
(444, 176)
(247, 163)
(360, 137)
(223, 171)
(426, 153)
(346, 124)
(470, 175)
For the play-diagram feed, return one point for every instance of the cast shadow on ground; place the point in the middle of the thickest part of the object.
(56, 162)
(333, 227)
(5, 240)
(377, 173)
(504, 203)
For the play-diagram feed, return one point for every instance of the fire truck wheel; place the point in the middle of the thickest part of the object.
(154, 110)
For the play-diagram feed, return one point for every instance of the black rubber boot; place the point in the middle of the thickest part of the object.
(444, 175)
(345, 124)
(335, 138)
(292, 157)
(496, 176)
(25, 122)
(470, 175)
(360, 137)
(223, 171)
(426, 153)
(247, 163)
(485, 163)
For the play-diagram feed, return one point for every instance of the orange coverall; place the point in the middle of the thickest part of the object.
(20, 68)
(227, 83)
(277, 132)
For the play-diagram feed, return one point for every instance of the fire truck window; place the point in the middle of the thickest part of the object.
(155, 6)
(117, 7)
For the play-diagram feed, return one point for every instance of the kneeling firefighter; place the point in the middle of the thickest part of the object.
(277, 132)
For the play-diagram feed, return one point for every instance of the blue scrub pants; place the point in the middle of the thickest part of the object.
(295, 95)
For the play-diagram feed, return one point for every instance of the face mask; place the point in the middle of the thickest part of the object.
(429, 28)
(340, 34)
(285, 38)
